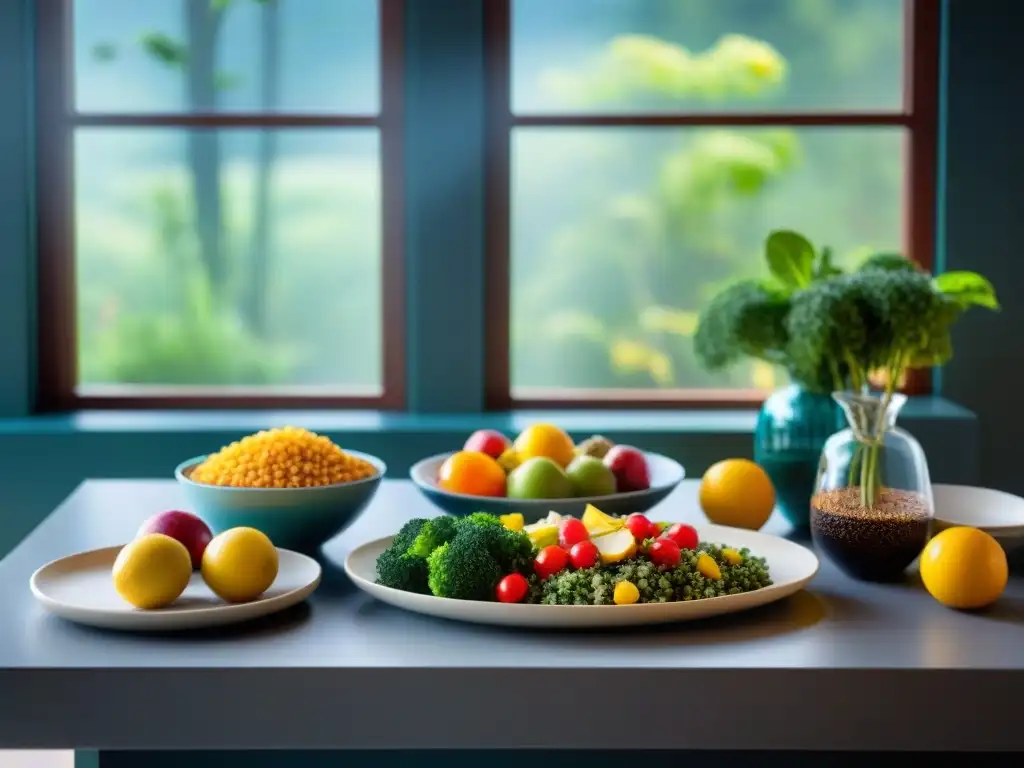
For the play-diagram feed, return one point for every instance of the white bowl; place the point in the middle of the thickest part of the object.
(997, 513)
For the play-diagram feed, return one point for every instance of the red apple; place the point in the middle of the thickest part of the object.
(488, 441)
(629, 467)
(183, 526)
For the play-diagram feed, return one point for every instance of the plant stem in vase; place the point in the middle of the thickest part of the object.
(872, 529)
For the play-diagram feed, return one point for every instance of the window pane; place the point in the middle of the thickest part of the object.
(207, 55)
(621, 235)
(281, 286)
(706, 55)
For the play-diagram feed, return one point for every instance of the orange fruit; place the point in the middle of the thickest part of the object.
(738, 493)
(964, 568)
(473, 474)
(545, 440)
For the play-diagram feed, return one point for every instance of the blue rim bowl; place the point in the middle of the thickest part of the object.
(300, 519)
(666, 474)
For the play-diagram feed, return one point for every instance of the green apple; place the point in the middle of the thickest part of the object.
(539, 478)
(590, 477)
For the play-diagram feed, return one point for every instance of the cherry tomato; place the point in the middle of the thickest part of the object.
(657, 529)
(583, 554)
(639, 526)
(683, 535)
(550, 561)
(512, 589)
(664, 552)
(572, 532)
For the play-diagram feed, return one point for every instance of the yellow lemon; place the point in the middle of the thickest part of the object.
(737, 492)
(152, 571)
(964, 568)
(545, 440)
(597, 522)
(240, 564)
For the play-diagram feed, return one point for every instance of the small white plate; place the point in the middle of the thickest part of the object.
(791, 566)
(998, 513)
(80, 588)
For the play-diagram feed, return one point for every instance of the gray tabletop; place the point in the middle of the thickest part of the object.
(843, 665)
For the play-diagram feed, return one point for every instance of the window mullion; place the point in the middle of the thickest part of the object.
(444, 205)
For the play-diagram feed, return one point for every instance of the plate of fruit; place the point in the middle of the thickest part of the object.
(597, 570)
(174, 575)
(542, 470)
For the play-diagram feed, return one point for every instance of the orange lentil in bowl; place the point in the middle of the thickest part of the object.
(285, 457)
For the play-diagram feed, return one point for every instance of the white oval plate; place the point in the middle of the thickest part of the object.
(80, 588)
(791, 566)
(996, 512)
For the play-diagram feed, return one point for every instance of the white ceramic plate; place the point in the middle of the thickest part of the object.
(996, 512)
(80, 588)
(791, 566)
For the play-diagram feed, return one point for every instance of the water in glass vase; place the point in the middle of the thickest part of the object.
(872, 507)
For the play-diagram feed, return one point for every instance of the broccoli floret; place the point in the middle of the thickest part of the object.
(463, 570)
(890, 262)
(746, 319)
(830, 327)
(914, 318)
(402, 571)
(511, 550)
(434, 533)
(407, 534)
(399, 570)
(481, 518)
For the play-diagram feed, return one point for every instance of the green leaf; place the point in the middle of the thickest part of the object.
(968, 289)
(219, 5)
(164, 48)
(790, 258)
(825, 268)
(104, 52)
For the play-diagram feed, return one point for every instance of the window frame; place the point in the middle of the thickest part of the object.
(56, 120)
(919, 116)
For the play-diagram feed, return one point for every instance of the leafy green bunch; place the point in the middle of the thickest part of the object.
(831, 330)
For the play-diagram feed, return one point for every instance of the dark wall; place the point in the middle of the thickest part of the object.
(984, 222)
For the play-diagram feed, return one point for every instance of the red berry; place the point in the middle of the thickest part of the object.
(683, 535)
(639, 526)
(512, 589)
(572, 532)
(550, 561)
(664, 552)
(656, 529)
(583, 554)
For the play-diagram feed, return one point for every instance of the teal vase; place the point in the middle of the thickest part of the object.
(792, 427)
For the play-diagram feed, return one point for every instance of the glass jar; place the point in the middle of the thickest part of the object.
(872, 505)
(792, 427)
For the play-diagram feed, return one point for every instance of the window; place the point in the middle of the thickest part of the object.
(642, 150)
(290, 203)
(219, 190)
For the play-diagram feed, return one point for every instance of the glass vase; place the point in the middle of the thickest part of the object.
(792, 427)
(872, 506)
